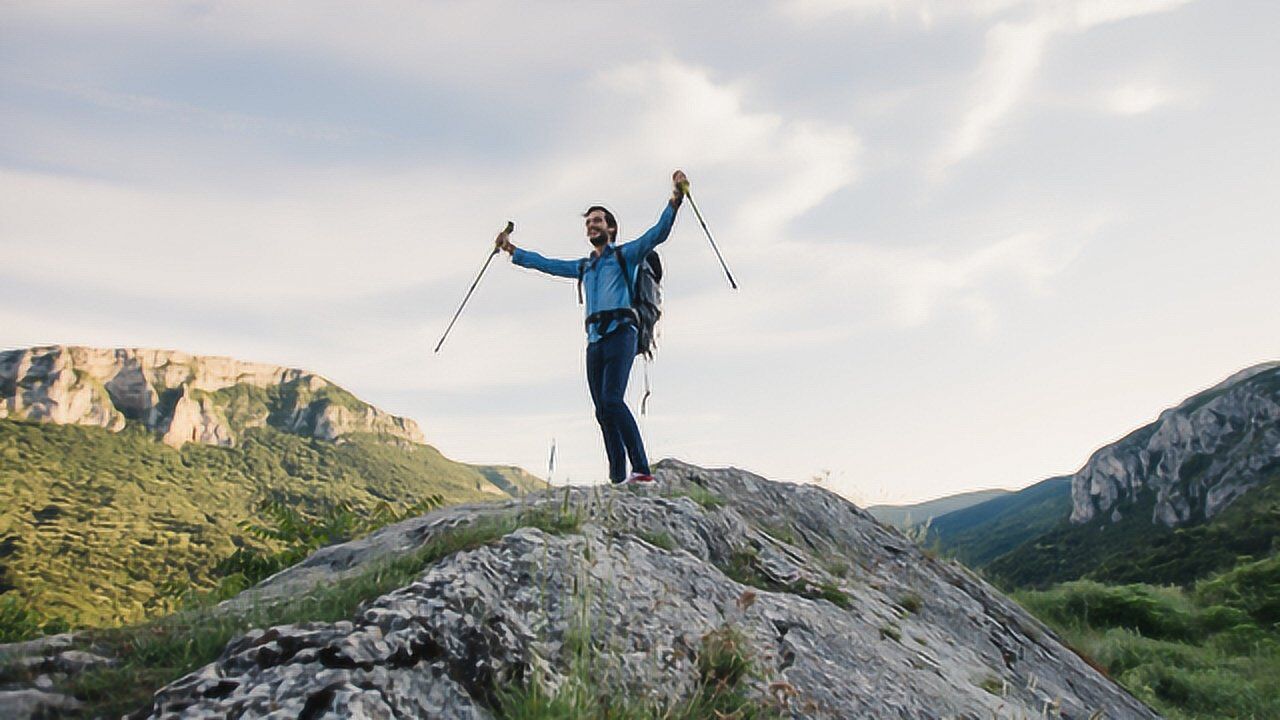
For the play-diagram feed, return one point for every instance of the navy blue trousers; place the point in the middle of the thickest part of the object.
(608, 368)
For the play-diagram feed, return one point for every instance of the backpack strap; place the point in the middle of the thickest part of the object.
(626, 277)
(582, 269)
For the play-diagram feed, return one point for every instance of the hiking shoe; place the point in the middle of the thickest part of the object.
(641, 479)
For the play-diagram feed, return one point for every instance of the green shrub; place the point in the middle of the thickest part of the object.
(1251, 587)
(1217, 618)
(17, 621)
(1154, 612)
(1121, 649)
(303, 533)
(1199, 654)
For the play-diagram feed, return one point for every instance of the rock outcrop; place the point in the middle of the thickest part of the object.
(183, 398)
(1194, 460)
(841, 617)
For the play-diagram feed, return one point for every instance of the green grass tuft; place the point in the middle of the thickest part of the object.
(993, 685)
(660, 538)
(704, 497)
(910, 602)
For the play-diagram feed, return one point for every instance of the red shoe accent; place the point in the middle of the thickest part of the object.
(641, 478)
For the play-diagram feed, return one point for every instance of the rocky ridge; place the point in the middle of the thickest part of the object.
(1194, 460)
(841, 616)
(183, 398)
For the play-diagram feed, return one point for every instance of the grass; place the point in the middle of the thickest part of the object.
(722, 691)
(910, 602)
(993, 685)
(741, 568)
(660, 538)
(155, 653)
(101, 529)
(1212, 651)
(781, 532)
(704, 497)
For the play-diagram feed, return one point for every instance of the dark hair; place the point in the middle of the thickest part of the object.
(609, 220)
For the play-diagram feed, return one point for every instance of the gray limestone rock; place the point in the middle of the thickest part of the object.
(35, 704)
(841, 616)
(1195, 459)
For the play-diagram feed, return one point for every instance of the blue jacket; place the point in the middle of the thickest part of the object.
(602, 279)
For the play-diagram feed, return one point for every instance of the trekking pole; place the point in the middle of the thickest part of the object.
(684, 187)
(511, 227)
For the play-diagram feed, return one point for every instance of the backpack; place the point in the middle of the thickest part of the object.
(646, 298)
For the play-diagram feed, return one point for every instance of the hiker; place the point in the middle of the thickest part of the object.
(611, 322)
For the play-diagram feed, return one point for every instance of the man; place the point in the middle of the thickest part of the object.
(611, 323)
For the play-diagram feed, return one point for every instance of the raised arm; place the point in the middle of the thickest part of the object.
(530, 259)
(641, 246)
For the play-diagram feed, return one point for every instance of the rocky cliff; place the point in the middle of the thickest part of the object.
(830, 615)
(1194, 460)
(183, 398)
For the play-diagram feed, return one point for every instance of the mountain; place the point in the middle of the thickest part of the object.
(907, 516)
(1187, 495)
(183, 398)
(1194, 460)
(127, 476)
(980, 533)
(716, 594)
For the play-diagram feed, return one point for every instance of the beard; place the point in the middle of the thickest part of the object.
(599, 240)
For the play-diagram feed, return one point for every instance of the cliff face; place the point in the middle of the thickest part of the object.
(184, 398)
(840, 617)
(1194, 460)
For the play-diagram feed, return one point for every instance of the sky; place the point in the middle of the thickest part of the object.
(975, 241)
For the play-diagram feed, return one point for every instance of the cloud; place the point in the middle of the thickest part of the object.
(1138, 97)
(775, 168)
(926, 12)
(170, 112)
(334, 240)
(480, 42)
(1013, 50)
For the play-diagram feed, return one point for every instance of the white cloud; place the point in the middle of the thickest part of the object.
(775, 168)
(1137, 98)
(467, 43)
(186, 114)
(1013, 51)
(926, 12)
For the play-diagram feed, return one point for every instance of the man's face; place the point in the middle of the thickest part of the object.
(597, 228)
